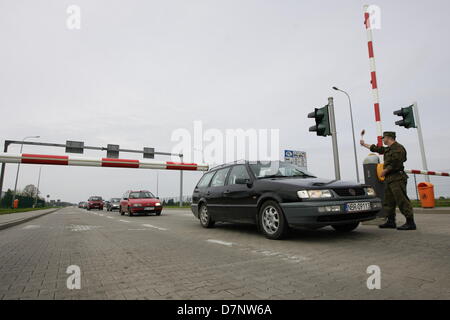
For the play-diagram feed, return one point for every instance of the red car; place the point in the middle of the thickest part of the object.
(95, 202)
(143, 202)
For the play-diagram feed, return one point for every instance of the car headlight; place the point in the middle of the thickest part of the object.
(370, 191)
(157, 204)
(137, 205)
(314, 194)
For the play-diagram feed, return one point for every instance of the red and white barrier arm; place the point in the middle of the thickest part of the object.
(429, 173)
(99, 162)
(373, 75)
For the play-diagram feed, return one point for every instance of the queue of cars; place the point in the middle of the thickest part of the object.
(133, 202)
(274, 195)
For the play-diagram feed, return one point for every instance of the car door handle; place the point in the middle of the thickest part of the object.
(208, 193)
(227, 192)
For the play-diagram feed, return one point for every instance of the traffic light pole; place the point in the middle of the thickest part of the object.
(420, 136)
(337, 170)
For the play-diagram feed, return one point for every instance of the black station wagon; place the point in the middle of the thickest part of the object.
(276, 195)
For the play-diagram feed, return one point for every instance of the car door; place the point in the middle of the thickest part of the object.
(238, 196)
(214, 194)
(201, 188)
(124, 202)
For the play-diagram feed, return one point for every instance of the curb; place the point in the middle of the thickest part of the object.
(20, 221)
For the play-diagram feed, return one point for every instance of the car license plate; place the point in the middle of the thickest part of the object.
(357, 206)
(149, 208)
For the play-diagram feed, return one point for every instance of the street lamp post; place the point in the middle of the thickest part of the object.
(353, 131)
(18, 168)
(37, 191)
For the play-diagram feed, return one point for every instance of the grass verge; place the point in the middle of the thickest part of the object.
(9, 211)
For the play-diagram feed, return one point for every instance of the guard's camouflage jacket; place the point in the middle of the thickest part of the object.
(394, 157)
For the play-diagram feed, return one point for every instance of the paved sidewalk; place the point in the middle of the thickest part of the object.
(432, 210)
(12, 219)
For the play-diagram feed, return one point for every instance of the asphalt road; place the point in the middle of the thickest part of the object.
(173, 257)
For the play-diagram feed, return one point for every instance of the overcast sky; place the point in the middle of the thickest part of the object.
(138, 70)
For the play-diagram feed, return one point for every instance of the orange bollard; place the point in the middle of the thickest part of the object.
(16, 203)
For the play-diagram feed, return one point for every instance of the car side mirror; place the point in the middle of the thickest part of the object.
(125, 198)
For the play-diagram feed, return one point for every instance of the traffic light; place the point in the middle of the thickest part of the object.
(322, 118)
(408, 117)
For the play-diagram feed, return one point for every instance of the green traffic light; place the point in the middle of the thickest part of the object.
(408, 120)
(321, 117)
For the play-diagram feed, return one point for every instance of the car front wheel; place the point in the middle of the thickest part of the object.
(120, 211)
(130, 213)
(272, 222)
(346, 227)
(205, 217)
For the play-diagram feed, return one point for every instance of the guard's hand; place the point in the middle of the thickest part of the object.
(383, 173)
(362, 142)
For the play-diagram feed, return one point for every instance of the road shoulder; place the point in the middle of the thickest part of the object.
(10, 220)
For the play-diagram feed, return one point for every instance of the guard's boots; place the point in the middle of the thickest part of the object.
(390, 223)
(409, 225)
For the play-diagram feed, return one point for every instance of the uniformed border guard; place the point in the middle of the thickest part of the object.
(395, 181)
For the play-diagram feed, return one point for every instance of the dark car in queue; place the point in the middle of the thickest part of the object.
(95, 202)
(277, 195)
(113, 204)
(140, 202)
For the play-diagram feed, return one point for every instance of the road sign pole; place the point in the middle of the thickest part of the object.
(420, 136)
(181, 183)
(337, 170)
(2, 174)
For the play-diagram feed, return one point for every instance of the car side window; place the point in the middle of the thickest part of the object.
(204, 181)
(238, 172)
(219, 177)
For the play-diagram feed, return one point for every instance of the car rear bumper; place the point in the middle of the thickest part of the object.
(307, 213)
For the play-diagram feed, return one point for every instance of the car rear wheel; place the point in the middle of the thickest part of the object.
(272, 222)
(205, 217)
(346, 227)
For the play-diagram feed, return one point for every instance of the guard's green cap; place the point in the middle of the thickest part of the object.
(389, 134)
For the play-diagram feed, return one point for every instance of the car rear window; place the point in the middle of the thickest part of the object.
(204, 181)
(95, 199)
(219, 177)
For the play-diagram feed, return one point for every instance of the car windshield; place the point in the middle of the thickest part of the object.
(95, 199)
(115, 200)
(273, 169)
(141, 195)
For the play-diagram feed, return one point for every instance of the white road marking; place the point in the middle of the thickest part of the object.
(81, 227)
(125, 221)
(31, 226)
(155, 227)
(283, 256)
(220, 242)
(142, 229)
(110, 217)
